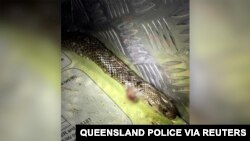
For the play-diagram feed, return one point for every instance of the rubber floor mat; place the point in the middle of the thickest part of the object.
(151, 35)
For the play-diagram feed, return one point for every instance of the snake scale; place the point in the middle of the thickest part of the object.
(136, 87)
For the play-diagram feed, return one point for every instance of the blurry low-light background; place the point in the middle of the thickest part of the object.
(30, 70)
(220, 61)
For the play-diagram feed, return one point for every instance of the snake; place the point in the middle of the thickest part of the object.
(136, 87)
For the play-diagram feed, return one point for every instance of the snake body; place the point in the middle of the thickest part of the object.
(92, 48)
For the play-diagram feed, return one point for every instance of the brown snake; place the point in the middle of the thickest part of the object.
(135, 86)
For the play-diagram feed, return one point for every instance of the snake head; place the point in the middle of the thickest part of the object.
(167, 107)
(159, 101)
